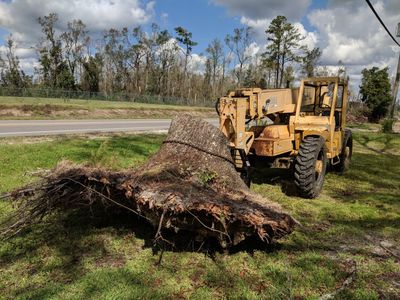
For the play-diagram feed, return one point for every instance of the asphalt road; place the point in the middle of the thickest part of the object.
(55, 127)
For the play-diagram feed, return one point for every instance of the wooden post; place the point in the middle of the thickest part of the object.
(395, 90)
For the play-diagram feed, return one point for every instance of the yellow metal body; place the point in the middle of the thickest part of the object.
(283, 117)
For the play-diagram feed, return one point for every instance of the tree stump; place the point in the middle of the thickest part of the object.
(189, 186)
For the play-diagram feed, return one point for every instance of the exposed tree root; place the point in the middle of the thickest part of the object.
(190, 185)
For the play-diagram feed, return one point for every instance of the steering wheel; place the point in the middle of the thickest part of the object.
(324, 105)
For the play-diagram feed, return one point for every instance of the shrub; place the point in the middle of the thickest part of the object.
(387, 125)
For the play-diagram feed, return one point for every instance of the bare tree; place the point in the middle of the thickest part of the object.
(215, 59)
(75, 41)
(11, 74)
(239, 43)
(50, 51)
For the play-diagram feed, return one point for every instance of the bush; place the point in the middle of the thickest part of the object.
(387, 125)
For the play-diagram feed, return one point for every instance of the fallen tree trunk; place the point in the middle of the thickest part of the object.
(190, 185)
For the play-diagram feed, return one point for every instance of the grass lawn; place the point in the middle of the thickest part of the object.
(356, 219)
(55, 108)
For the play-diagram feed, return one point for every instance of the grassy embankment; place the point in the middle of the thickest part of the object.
(48, 108)
(356, 218)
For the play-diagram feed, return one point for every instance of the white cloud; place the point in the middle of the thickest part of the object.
(196, 63)
(26, 58)
(24, 53)
(345, 30)
(310, 39)
(20, 16)
(349, 32)
(253, 49)
(259, 26)
(29, 64)
(266, 9)
(170, 45)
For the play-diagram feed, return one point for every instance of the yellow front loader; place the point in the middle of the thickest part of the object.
(302, 129)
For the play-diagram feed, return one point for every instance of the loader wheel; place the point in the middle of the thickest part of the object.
(345, 155)
(310, 166)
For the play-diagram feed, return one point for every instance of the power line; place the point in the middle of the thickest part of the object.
(380, 20)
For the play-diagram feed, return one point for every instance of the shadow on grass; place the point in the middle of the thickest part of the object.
(282, 177)
(71, 240)
(371, 176)
(80, 234)
(68, 235)
(386, 139)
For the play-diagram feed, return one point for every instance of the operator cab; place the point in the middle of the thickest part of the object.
(317, 100)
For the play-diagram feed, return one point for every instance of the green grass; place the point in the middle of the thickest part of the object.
(56, 108)
(73, 258)
(19, 159)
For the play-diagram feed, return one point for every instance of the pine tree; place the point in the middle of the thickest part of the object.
(283, 46)
(185, 38)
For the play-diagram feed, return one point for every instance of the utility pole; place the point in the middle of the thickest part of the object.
(396, 81)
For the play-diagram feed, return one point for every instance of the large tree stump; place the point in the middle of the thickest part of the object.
(189, 186)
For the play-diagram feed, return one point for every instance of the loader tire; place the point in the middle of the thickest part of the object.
(310, 166)
(345, 155)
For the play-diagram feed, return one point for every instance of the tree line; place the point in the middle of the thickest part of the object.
(157, 61)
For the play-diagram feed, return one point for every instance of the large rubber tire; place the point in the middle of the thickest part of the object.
(310, 166)
(346, 154)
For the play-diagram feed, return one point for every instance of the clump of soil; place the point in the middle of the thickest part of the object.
(189, 186)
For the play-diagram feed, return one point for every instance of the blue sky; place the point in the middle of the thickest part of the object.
(207, 20)
(3, 33)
